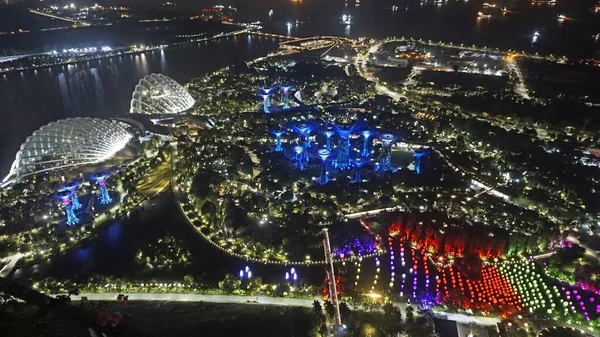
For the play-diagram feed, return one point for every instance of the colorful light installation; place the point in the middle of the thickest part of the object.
(392, 262)
(377, 264)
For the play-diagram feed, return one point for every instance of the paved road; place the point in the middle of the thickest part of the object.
(293, 302)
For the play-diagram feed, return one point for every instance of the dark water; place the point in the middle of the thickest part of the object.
(113, 252)
(454, 21)
(103, 88)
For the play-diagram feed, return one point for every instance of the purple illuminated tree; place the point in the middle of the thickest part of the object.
(265, 93)
(286, 96)
(72, 188)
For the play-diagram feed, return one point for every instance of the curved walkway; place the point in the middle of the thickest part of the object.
(266, 300)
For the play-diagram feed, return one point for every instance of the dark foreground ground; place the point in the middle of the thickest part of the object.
(165, 319)
(211, 319)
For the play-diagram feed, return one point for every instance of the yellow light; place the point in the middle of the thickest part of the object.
(373, 295)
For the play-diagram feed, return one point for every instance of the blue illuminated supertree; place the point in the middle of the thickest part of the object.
(418, 154)
(328, 135)
(358, 164)
(304, 130)
(101, 179)
(286, 96)
(386, 156)
(72, 188)
(366, 135)
(323, 154)
(299, 150)
(266, 102)
(343, 157)
(265, 93)
(278, 134)
(65, 197)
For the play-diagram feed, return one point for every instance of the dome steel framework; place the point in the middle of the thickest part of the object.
(68, 143)
(157, 94)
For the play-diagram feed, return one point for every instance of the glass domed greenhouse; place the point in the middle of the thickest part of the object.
(157, 94)
(66, 144)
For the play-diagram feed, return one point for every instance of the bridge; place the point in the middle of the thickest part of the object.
(16, 57)
(82, 23)
(374, 212)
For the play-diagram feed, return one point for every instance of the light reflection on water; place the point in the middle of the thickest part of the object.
(103, 88)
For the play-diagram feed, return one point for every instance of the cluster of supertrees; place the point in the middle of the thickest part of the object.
(267, 92)
(68, 196)
(342, 155)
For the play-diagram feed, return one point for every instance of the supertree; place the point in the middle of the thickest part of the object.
(418, 154)
(278, 134)
(265, 93)
(286, 96)
(299, 150)
(358, 164)
(328, 135)
(366, 135)
(266, 102)
(304, 130)
(343, 157)
(386, 156)
(100, 178)
(72, 188)
(65, 197)
(323, 154)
